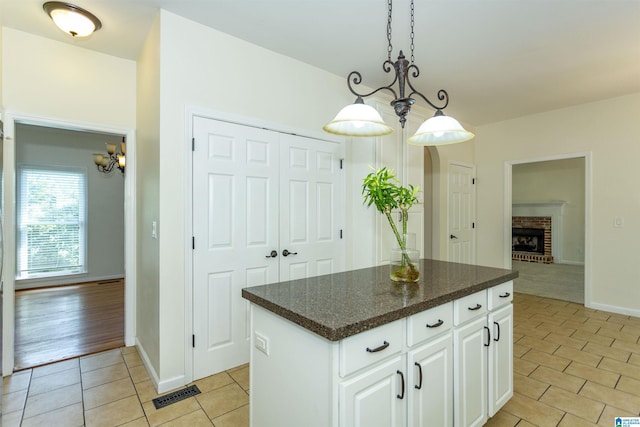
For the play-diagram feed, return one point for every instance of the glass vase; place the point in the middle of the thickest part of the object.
(405, 265)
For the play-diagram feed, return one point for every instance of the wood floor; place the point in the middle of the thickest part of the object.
(60, 323)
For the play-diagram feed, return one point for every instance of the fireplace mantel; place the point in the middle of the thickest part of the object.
(551, 208)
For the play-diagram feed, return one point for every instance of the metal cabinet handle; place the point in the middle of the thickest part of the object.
(488, 336)
(419, 370)
(453, 237)
(505, 295)
(273, 254)
(498, 337)
(477, 307)
(377, 349)
(287, 253)
(401, 396)
(435, 325)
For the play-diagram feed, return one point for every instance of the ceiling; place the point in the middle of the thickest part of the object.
(498, 59)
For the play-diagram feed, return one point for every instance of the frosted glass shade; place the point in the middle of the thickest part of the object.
(358, 119)
(72, 19)
(440, 130)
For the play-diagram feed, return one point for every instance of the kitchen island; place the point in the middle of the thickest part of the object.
(355, 348)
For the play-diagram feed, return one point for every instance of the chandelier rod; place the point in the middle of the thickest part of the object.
(404, 70)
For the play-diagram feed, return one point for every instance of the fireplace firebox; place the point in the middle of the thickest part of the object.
(531, 239)
(527, 240)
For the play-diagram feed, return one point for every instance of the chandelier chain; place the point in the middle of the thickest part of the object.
(412, 46)
(389, 45)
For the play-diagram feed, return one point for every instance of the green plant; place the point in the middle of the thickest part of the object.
(382, 189)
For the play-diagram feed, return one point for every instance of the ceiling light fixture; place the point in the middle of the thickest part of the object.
(106, 163)
(72, 19)
(359, 119)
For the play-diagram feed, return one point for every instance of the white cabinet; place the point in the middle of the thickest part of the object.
(432, 368)
(430, 383)
(483, 354)
(470, 383)
(501, 347)
(500, 358)
(376, 397)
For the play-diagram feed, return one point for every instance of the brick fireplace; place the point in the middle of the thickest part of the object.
(531, 239)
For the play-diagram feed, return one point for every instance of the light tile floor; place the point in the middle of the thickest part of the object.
(573, 366)
(113, 388)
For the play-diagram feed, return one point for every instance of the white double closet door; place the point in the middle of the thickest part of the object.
(256, 194)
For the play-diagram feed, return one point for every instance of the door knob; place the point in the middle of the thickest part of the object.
(273, 254)
(287, 253)
(453, 237)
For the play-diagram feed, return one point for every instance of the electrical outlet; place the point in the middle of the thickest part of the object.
(154, 230)
(262, 343)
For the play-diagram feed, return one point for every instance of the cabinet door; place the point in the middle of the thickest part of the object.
(500, 358)
(470, 373)
(430, 384)
(371, 399)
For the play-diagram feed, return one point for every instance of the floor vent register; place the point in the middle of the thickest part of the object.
(176, 396)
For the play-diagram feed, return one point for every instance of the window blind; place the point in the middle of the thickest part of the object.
(51, 221)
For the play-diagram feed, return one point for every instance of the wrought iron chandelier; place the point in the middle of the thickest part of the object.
(106, 163)
(360, 119)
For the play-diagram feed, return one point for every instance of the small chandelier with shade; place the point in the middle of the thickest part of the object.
(361, 120)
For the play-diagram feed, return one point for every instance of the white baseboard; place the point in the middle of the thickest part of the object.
(61, 281)
(564, 261)
(615, 309)
(161, 386)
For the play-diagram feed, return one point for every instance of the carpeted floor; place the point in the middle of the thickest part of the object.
(560, 281)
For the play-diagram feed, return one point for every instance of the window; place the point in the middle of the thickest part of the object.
(51, 221)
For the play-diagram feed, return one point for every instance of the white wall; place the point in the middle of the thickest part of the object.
(608, 130)
(1, 71)
(148, 195)
(556, 180)
(105, 193)
(48, 78)
(204, 68)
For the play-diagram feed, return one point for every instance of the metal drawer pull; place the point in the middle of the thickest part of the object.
(435, 325)
(401, 396)
(477, 307)
(498, 337)
(488, 336)
(505, 295)
(377, 349)
(420, 370)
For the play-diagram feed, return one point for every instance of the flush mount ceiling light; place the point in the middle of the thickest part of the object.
(359, 119)
(72, 19)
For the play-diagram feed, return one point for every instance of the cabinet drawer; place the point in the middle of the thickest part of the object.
(429, 323)
(369, 347)
(500, 295)
(468, 307)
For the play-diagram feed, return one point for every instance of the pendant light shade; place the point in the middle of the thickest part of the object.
(358, 119)
(440, 130)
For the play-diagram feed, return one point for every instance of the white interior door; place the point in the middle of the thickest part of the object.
(235, 226)
(461, 214)
(310, 208)
(256, 193)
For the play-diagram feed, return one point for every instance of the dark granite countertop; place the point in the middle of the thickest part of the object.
(339, 305)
